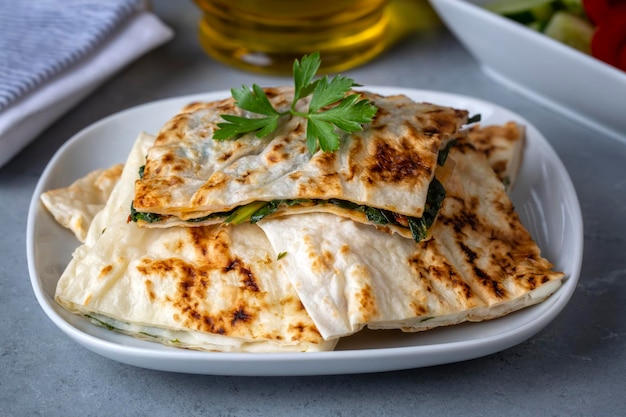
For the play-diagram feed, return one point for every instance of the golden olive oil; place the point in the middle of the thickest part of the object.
(267, 35)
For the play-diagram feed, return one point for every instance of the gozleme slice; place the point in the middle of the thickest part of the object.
(481, 263)
(206, 288)
(192, 179)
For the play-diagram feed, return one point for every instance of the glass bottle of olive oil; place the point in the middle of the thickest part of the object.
(267, 35)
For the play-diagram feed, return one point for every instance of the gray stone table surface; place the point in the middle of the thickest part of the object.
(576, 366)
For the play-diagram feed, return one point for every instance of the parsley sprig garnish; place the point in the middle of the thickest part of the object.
(330, 109)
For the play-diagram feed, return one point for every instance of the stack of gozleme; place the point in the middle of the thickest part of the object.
(300, 280)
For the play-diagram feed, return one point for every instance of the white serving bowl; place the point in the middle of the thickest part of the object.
(539, 67)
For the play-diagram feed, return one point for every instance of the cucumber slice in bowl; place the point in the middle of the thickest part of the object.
(571, 30)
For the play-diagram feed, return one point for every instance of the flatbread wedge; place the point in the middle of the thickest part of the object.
(75, 206)
(382, 176)
(211, 288)
(503, 146)
(480, 263)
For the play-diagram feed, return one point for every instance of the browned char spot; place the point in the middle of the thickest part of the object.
(326, 161)
(249, 280)
(240, 315)
(391, 164)
(276, 154)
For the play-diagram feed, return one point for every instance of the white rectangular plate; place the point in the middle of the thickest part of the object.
(544, 197)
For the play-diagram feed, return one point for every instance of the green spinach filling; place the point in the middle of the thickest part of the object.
(258, 210)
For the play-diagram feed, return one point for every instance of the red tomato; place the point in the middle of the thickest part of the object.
(609, 40)
(621, 59)
(598, 10)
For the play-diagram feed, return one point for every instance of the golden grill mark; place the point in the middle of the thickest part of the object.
(225, 156)
(226, 105)
(175, 246)
(418, 308)
(489, 283)
(150, 290)
(192, 285)
(271, 92)
(304, 332)
(354, 161)
(299, 331)
(297, 131)
(167, 158)
(447, 275)
(218, 244)
(465, 288)
(499, 167)
(179, 167)
(326, 161)
(442, 121)
(299, 327)
(430, 131)
(469, 254)
(277, 154)
(194, 105)
(244, 177)
(217, 180)
(105, 271)
(323, 185)
(463, 220)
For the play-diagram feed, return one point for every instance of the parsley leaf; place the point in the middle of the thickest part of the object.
(255, 101)
(238, 125)
(303, 74)
(322, 132)
(331, 109)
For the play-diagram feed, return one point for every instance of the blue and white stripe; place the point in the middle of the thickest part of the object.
(41, 38)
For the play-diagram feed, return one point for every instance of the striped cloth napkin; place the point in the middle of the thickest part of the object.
(53, 53)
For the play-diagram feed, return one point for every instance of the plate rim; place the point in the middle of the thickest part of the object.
(187, 361)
